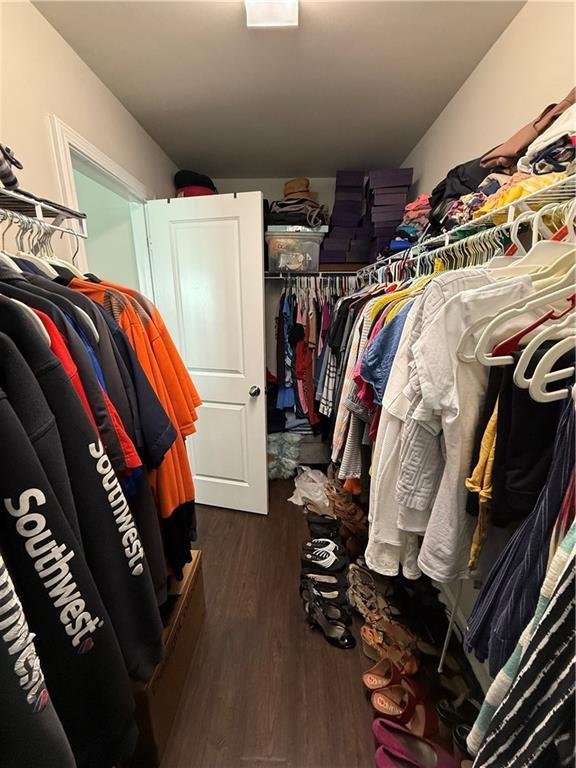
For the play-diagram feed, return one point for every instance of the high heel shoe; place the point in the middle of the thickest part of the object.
(335, 632)
(376, 646)
(331, 610)
(329, 590)
(382, 675)
(400, 747)
(403, 706)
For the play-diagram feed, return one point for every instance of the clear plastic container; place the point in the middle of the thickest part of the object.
(294, 251)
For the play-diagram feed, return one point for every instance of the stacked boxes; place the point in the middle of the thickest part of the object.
(365, 214)
(349, 237)
(387, 196)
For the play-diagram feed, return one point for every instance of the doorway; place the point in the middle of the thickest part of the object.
(112, 212)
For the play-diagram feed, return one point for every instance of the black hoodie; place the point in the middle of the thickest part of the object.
(78, 649)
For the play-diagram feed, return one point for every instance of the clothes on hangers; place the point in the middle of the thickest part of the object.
(509, 594)
(562, 560)
(461, 452)
(98, 510)
(305, 369)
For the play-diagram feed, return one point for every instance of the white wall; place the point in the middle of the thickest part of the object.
(40, 74)
(530, 66)
(273, 189)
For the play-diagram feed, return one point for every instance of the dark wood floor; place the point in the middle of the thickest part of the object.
(264, 690)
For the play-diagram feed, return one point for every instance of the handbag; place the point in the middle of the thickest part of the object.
(506, 155)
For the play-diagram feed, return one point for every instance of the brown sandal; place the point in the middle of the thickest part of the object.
(382, 675)
(375, 646)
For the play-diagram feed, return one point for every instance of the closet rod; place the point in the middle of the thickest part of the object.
(321, 275)
(28, 205)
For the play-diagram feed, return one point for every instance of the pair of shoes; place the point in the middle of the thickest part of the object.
(321, 557)
(453, 714)
(400, 748)
(329, 618)
(400, 699)
(330, 587)
(332, 608)
(377, 645)
(353, 520)
(322, 580)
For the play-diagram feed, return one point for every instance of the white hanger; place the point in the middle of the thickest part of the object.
(37, 322)
(547, 332)
(543, 373)
(27, 255)
(561, 289)
(544, 253)
(4, 255)
(70, 264)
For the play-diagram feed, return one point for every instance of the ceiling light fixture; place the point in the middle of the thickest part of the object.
(271, 13)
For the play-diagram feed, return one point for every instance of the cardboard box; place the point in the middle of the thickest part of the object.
(157, 702)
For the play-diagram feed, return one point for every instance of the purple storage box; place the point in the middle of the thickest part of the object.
(402, 190)
(350, 206)
(396, 198)
(350, 178)
(348, 193)
(390, 177)
(344, 219)
(364, 230)
(335, 245)
(360, 247)
(341, 233)
(386, 214)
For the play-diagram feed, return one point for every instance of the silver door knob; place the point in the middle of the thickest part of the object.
(254, 391)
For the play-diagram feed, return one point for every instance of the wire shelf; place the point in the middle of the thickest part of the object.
(560, 192)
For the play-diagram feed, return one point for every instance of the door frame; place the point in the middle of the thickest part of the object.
(65, 141)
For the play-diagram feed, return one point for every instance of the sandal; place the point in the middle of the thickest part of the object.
(331, 610)
(382, 675)
(335, 632)
(322, 561)
(375, 647)
(401, 706)
(363, 595)
(329, 545)
(331, 591)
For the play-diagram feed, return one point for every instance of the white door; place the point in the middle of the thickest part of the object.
(207, 256)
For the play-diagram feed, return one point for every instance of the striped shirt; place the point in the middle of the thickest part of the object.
(563, 558)
(533, 723)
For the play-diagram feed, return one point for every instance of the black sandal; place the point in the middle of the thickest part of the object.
(330, 609)
(323, 543)
(335, 632)
(322, 561)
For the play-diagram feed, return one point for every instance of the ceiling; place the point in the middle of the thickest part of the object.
(354, 86)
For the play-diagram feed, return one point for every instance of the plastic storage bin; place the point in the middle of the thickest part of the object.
(294, 251)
